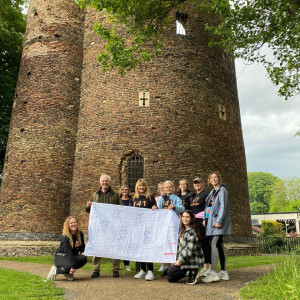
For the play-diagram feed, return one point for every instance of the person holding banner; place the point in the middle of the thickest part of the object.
(169, 200)
(104, 195)
(189, 253)
(160, 190)
(125, 197)
(143, 199)
(70, 254)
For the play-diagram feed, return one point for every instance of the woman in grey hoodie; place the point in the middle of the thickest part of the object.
(218, 223)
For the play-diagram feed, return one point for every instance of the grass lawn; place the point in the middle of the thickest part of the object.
(283, 283)
(22, 285)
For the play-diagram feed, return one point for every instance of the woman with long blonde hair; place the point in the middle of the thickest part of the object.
(70, 254)
(143, 199)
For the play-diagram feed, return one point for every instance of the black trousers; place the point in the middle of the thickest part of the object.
(205, 243)
(63, 263)
(149, 265)
(175, 273)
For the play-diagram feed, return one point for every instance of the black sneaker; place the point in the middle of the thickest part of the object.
(95, 274)
(165, 273)
(116, 274)
(192, 277)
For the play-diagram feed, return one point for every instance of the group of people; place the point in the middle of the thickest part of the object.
(204, 219)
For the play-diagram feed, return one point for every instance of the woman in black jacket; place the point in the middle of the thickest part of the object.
(185, 194)
(143, 199)
(70, 254)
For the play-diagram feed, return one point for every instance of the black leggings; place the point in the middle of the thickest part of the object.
(205, 243)
(149, 265)
(63, 264)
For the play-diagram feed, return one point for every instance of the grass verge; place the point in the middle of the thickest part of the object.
(22, 285)
(283, 283)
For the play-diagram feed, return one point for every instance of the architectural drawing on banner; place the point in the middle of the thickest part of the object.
(130, 233)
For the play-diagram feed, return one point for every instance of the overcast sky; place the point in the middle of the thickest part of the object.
(269, 124)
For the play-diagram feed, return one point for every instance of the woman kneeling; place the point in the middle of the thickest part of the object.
(189, 252)
(70, 254)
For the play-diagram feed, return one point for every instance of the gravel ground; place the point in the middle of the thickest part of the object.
(107, 287)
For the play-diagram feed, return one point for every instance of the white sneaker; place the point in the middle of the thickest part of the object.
(150, 276)
(206, 273)
(162, 268)
(70, 277)
(52, 274)
(223, 275)
(127, 268)
(202, 272)
(141, 274)
(212, 277)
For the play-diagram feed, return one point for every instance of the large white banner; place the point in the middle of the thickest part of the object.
(130, 233)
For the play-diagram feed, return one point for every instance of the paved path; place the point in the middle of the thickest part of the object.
(106, 287)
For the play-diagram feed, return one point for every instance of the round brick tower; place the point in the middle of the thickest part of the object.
(176, 117)
(36, 186)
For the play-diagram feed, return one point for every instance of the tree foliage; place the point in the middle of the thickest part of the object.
(260, 190)
(244, 28)
(12, 28)
(286, 195)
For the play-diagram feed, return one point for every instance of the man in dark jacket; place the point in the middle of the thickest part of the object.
(104, 195)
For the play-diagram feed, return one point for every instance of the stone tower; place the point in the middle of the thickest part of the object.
(176, 117)
(37, 181)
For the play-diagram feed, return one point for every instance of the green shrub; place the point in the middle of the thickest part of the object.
(271, 227)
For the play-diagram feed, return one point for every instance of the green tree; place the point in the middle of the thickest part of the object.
(286, 195)
(278, 202)
(244, 27)
(12, 28)
(260, 190)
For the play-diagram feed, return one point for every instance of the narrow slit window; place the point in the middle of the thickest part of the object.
(180, 23)
(179, 28)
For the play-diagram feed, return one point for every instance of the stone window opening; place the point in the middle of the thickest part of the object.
(135, 171)
(222, 112)
(180, 23)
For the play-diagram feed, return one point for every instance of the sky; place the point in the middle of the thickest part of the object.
(269, 124)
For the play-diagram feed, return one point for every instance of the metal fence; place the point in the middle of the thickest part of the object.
(268, 244)
(277, 244)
